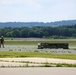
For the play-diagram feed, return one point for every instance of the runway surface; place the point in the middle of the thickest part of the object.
(38, 71)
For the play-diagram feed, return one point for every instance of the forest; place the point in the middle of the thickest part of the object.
(32, 24)
(59, 32)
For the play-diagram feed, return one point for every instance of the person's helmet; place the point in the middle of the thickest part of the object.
(1, 36)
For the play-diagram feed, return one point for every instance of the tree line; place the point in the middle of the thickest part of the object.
(39, 32)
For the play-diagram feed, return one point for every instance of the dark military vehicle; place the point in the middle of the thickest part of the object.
(53, 45)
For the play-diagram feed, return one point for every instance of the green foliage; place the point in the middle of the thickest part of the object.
(58, 65)
(60, 32)
(47, 65)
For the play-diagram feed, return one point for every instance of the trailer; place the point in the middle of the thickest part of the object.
(53, 45)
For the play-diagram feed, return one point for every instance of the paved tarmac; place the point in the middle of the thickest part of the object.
(38, 71)
(33, 48)
(38, 60)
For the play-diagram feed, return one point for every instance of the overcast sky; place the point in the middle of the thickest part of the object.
(37, 10)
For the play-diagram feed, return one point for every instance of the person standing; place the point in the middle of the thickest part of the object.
(2, 41)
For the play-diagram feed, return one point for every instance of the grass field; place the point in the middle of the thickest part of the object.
(35, 41)
(36, 54)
